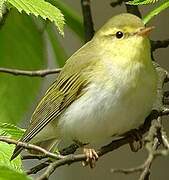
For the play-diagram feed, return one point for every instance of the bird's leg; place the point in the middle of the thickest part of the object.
(136, 142)
(91, 155)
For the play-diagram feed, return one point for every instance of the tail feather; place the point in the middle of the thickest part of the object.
(46, 144)
(16, 152)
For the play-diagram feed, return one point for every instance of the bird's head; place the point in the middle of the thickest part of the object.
(124, 34)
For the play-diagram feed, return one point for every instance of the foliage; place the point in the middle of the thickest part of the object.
(7, 173)
(42, 9)
(156, 11)
(11, 131)
(9, 168)
(2, 7)
(23, 45)
(141, 2)
(73, 20)
(161, 7)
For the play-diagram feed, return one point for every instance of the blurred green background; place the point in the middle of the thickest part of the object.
(49, 49)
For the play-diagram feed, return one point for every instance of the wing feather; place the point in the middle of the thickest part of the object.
(68, 87)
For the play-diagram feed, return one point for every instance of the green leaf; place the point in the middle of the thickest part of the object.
(1, 7)
(21, 47)
(156, 11)
(5, 155)
(59, 52)
(73, 20)
(41, 8)
(141, 2)
(11, 131)
(7, 173)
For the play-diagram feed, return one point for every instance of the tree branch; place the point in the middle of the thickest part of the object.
(37, 73)
(159, 44)
(69, 159)
(151, 144)
(38, 167)
(116, 3)
(87, 20)
(133, 9)
(31, 147)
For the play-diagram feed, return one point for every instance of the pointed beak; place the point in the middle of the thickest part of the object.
(145, 31)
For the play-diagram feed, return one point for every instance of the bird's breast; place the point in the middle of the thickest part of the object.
(110, 107)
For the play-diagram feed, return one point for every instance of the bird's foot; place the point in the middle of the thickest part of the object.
(91, 157)
(136, 143)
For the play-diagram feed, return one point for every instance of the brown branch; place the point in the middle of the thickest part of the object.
(151, 143)
(37, 73)
(133, 9)
(166, 94)
(69, 159)
(33, 156)
(159, 44)
(116, 3)
(68, 150)
(31, 147)
(87, 20)
(38, 167)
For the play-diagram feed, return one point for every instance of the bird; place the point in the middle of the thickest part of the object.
(104, 90)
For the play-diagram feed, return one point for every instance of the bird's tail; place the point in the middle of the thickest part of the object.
(16, 152)
(46, 144)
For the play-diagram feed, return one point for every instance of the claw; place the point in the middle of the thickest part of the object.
(91, 157)
(137, 142)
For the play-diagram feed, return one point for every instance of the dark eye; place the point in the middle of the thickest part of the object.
(119, 34)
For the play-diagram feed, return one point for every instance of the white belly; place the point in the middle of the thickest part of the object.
(104, 112)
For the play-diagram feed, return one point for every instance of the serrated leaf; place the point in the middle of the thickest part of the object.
(141, 2)
(21, 47)
(7, 173)
(156, 11)
(72, 18)
(5, 155)
(1, 7)
(11, 131)
(42, 9)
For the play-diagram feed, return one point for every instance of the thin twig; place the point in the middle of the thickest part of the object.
(116, 3)
(38, 167)
(31, 147)
(104, 150)
(33, 156)
(133, 9)
(159, 44)
(166, 94)
(151, 144)
(87, 20)
(68, 159)
(36, 73)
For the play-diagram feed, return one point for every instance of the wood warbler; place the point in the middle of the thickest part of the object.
(105, 89)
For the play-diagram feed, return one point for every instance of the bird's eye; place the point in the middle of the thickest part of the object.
(119, 34)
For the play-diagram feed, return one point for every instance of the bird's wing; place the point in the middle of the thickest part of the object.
(69, 86)
(58, 97)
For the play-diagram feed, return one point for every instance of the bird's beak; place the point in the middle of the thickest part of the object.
(145, 31)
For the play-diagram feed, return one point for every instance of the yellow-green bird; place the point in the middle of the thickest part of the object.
(105, 89)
